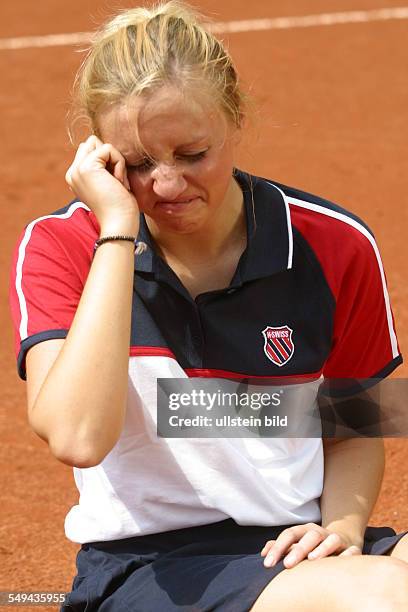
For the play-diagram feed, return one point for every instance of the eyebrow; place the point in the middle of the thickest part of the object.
(193, 142)
(139, 154)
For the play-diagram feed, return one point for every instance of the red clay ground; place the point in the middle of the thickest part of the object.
(333, 111)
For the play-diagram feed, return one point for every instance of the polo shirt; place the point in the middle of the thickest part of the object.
(308, 299)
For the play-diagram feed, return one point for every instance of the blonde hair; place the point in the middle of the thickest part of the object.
(143, 49)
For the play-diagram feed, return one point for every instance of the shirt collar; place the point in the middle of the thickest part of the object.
(269, 233)
(269, 229)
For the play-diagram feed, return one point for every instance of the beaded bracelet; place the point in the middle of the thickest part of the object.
(139, 246)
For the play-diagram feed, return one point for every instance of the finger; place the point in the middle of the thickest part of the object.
(330, 545)
(83, 150)
(283, 542)
(267, 547)
(352, 550)
(302, 549)
(88, 158)
(69, 171)
(126, 180)
(92, 157)
(86, 147)
(102, 156)
(94, 141)
(68, 177)
(119, 172)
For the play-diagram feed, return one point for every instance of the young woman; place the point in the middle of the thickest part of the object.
(234, 277)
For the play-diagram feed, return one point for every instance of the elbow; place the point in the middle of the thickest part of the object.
(77, 456)
(78, 452)
(75, 446)
(77, 462)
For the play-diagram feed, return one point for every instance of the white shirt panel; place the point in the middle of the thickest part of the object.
(148, 484)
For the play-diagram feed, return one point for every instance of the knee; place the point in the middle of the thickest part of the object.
(400, 550)
(389, 586)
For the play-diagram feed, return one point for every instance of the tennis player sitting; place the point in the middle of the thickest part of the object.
(234, 277)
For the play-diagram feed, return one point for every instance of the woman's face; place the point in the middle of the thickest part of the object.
(179, 157)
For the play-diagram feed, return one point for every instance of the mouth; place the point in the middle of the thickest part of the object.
(176, 205)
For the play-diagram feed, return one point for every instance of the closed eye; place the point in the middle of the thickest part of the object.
(192, 157)
(143, 166)
(147, 163)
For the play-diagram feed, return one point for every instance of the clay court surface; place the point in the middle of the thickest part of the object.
(332, 119)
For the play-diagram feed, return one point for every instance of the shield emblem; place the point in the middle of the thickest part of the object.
(278, 344)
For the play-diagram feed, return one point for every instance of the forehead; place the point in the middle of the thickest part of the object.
(167, 119)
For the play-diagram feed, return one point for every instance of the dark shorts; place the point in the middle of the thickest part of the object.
(210, 567)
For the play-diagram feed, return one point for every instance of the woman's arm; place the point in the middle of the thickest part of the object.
(78, 405)
(353, 472)
(79, 409)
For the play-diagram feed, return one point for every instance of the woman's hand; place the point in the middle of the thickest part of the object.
(308, 541)
(98, 178)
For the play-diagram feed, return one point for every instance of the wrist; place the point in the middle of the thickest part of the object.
(351, 532)
(119, 230)
(126, 226)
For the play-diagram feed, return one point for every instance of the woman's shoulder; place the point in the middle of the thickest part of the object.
(305, 207)
(321, 229)
(318, 210)
(322, 223)
(71, 229)
(73, 218)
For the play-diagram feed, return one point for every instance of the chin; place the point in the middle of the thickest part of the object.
(182, 226)
(180, 223)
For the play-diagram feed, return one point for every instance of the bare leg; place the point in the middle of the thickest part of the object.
(400, 550)
(340, 584)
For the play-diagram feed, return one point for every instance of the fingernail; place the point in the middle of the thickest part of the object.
(269, 561)
(290, 559)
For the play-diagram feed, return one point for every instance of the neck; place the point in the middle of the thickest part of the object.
(226, 226)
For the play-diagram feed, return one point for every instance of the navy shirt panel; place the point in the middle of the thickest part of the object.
(279, 287)
(222, 330)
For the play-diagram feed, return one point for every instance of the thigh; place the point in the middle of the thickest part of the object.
(190, 578)
(338, 584)
(400, 550)
(206, 568)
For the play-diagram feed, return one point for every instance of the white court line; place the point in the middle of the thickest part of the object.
(250, 25)
(307, 21)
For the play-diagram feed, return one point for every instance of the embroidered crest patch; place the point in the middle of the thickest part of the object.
(278, 344)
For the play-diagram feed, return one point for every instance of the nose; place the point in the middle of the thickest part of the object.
(168, 182)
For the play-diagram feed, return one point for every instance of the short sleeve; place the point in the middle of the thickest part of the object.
(48, 273)
(364, 339)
